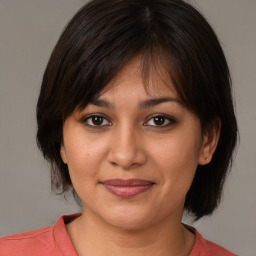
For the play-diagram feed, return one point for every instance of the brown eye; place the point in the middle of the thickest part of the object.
(96, 121)
(160, 121)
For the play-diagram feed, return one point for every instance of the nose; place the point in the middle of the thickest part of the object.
(126, 149)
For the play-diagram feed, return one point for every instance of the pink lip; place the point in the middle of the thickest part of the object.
(127, 188)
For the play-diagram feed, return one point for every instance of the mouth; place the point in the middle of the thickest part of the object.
(127, 188)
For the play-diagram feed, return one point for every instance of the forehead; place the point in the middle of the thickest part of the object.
(133, 78)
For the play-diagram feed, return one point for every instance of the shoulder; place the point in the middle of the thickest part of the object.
(212, 249)
(37, 242)
(207, 248)
(52, 240)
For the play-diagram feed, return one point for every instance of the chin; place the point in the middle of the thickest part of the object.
(129, 224)
(128, 219)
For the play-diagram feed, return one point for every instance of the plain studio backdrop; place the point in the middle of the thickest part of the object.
(29, 30)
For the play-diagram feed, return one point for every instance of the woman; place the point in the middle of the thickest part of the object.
(135, 115)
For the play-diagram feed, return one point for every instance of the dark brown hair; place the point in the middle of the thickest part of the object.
(101, 38)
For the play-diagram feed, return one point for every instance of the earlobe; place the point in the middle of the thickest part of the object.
(210, 142)
(63, 154)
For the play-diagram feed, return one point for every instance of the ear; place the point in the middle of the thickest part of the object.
(63, 154)
(210, 141)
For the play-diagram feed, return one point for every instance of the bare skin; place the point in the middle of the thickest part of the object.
(130, 134)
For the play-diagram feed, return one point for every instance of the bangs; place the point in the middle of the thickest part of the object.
(103, 49)
(175, 43)
(154, 66)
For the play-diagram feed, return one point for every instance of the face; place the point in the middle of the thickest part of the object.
(132, 153)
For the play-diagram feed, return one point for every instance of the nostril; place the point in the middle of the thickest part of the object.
(113, 163)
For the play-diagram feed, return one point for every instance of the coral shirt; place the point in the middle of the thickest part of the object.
(55, 241)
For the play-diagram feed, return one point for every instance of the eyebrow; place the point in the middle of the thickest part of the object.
(101, 103)
(155, 101)
(144, 104)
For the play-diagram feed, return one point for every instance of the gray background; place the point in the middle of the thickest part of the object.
(28, 31)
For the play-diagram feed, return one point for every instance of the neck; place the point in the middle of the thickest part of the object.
(93, 237)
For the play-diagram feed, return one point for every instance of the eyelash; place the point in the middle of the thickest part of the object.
(166, 118)
(85, 121)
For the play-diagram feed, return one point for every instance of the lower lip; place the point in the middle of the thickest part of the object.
(127, 191)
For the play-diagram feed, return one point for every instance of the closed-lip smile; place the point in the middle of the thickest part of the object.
(127, 188)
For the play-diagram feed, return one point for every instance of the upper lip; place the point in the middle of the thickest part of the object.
(127, 182)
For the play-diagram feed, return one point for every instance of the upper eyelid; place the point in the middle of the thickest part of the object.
(170, 118)
(94, 114)
(148, 117)
(162, 115)
(171, 121)
(83, 119)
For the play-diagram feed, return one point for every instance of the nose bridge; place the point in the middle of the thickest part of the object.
(126, 147)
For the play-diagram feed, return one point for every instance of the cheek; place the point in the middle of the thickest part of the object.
(84, 164)
(84, 158)
(178, 160)
(178, 150)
